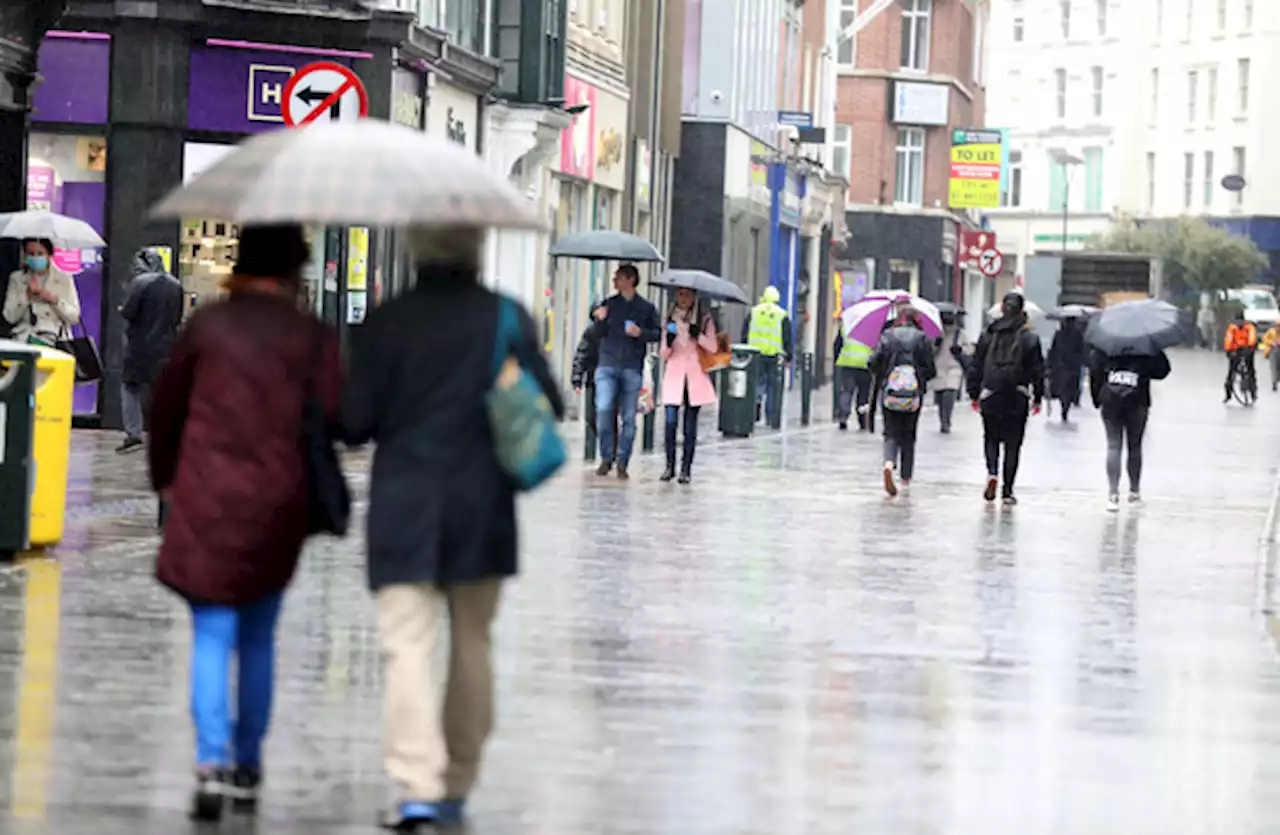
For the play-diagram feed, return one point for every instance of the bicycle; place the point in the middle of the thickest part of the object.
(1244, 380)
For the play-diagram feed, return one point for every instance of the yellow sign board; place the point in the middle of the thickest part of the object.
(977, 157)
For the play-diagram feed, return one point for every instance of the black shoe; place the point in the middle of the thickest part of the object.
(131, 444)
(605, 468)
(946, 430)
(245, 783)
(1226, 398)
(844, 426)
(686, 474)
(623, 475)
(669, 473)
(209, 795)
(1010, 500)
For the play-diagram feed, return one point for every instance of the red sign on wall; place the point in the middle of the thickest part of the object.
(973, 242)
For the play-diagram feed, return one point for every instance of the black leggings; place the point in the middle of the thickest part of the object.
(1132, 426)
(690, 434)
(1004, 425)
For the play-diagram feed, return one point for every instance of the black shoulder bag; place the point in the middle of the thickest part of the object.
(328, 497)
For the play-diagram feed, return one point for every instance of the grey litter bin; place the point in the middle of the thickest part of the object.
(738, 399)
(17, 444)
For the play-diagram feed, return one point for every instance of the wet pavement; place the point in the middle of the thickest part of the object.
(776, 649)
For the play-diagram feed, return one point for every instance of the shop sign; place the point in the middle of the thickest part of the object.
(577, 144)
(916, 103)
(789, 211)
(972, 244)
(451, 114)
(976, 158)
(609, 153)
(235, 90)
(76, 79)
(42, 188)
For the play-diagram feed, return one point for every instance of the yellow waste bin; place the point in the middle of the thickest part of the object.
(55, 389)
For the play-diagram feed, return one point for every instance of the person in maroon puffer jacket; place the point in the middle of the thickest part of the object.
(227, 456)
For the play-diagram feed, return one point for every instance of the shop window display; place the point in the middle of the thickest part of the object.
(67, 174)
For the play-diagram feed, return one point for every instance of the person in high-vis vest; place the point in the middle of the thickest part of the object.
(853, 380)
(768, 329)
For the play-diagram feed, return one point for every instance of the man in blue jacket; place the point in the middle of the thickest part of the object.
(626, 324)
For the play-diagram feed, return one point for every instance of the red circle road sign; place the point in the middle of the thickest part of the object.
(324, 90)
(991, 262)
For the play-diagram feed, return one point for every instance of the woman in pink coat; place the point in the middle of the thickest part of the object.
(688, 332)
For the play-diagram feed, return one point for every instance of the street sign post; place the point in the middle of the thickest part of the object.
(991, 262)
(324, 90)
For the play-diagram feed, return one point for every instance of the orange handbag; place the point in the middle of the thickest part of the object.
(720, 359)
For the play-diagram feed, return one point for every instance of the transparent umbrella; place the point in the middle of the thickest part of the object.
(65, 232)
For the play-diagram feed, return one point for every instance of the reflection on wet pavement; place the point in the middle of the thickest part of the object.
(776, 649)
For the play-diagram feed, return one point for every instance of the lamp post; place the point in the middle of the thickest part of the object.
(1067, 161)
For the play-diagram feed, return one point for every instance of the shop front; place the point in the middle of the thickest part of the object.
(454, 113)
(592, 174)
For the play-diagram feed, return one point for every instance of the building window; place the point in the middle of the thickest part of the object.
(1191, 19)
(1222, 15)
(1242, 86)
(1057, 186)
(1155, 94)
(1102, 18)
(1060, 85)
(1248, 15)
(915, 33)
(1065, 14)
(1151, 181)
(848, 13)
(1212, 93)
(1238, 158)
(841, 151)
(1192, 80)
(1012, 196)
(909, 187)
(1019, 29)
(1159, 18)
(528, 40)
(1097, 91)
(1188, 179)
(1208, 179)
(1093, 179)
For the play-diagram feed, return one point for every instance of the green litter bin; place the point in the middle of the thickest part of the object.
(738, 398)
(17, 444)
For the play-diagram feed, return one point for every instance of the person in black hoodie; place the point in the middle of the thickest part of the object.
(1067, 355)
(903, 361)
(1006, 382)
(1121, 388)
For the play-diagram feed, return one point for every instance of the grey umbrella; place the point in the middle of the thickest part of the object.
(605, 245)
(1144, 328)
(707, 285)
(1072, 311)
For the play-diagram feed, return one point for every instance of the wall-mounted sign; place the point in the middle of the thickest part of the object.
(455, 129)
(975, 169)
(1233, 182)
(451, 113)
(609, 152)
(577, 144)
(324, 90)
(643, 173)
(919, 103)
(406, 98)
(795, 118)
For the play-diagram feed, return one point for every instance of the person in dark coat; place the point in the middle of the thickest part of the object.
(583, 376)
(1067, 357)
(903, 364)
(227, 454)
(442, 513)
(152, 312)
(1006, 384)
(1121, 389)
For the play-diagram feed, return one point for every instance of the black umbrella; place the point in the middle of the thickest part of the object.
(605, 245)
(707, 285)
(1143, 328)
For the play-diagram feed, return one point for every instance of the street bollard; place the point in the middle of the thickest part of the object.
(591, 440)
(650, 419)
(779, 372)
(806, 389)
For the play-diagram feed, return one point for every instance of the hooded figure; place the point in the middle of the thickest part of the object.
(1067, 355)
(152, 312)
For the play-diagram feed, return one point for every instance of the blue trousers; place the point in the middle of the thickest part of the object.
(617, 392)
(248, 632)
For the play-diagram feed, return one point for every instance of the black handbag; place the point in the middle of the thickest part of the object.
(85, 351)
(328, 497)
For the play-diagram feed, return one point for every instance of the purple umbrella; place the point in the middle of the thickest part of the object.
(864, 321)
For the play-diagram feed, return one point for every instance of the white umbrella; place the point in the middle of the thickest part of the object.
(1028, 307)
(65, 232)
(366, 173)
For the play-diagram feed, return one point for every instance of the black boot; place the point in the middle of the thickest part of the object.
(670, 472)
(686, 474)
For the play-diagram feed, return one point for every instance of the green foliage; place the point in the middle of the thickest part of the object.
(1194, 255)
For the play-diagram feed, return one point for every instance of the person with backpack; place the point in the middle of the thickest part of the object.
(1121, 389)
(904, 361)
(1006, 383)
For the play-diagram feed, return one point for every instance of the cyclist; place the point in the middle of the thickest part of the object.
(1240, 343)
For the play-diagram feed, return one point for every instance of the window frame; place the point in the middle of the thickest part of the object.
(1064, 18)
(1207, 176)
(1098, 77)
(916, 14)
(845, 145)
(913, 194)
(1188, 179)
(1019, 29)
(1102, 18)
(1151, 181)
(1244, 68)
(846, 16)
(1193, 95)
(1012, 196)
(1239, 164)
(1060, 92)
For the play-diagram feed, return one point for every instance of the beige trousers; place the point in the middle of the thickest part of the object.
(434, 730)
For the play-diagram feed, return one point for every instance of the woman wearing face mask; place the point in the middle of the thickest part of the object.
(688, 331)
(40, 303)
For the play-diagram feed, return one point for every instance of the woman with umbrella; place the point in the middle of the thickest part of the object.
(688, 331)
(40, 302)
(1128, 343)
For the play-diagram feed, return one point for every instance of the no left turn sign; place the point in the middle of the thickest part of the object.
(991, 262)
(324, 90)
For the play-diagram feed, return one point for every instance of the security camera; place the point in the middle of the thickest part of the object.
(716, 96)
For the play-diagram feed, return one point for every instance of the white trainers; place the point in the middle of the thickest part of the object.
(1113, 504)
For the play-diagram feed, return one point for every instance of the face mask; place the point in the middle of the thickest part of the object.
(39, 263)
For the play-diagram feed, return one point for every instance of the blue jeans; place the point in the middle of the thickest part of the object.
(250, 633)
(765, 384)
(617, 391)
